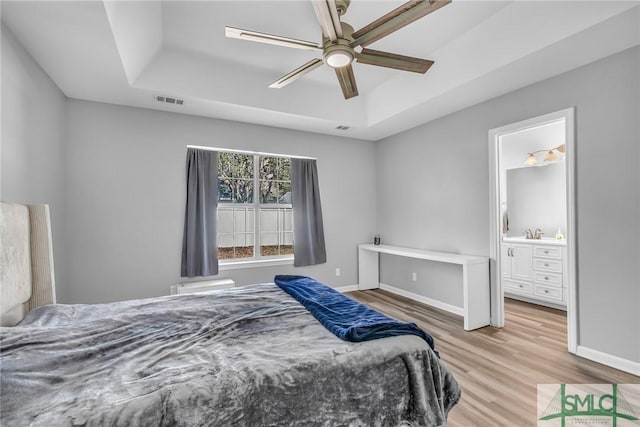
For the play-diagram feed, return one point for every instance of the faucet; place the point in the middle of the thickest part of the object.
(538, 234)
(528, 234)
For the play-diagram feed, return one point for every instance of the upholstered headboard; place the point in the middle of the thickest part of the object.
(26, 261)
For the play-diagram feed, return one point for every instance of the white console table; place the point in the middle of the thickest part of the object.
(475, 277)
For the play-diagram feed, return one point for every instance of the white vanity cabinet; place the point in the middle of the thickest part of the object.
(517, 262)
(535, 270)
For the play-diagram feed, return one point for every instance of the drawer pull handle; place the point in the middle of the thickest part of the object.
(546, 291)
(520, 285)
(546, 265)
(546, 278)
(546, 252)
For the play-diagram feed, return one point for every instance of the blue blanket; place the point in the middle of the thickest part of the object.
(347, 319)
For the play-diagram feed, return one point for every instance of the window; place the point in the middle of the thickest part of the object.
(255, 218)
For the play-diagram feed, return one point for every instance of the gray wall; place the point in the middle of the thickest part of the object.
(434, 190)
(127, 193)
(33, 143)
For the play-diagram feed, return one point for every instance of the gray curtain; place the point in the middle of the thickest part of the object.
(308, 231)
(199, 249)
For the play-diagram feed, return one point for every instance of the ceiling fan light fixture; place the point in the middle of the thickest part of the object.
(338, 55)
(339, 58)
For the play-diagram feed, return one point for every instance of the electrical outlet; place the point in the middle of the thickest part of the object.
(414, 276)
(338, 272)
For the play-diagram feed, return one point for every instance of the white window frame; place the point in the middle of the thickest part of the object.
(257, 260)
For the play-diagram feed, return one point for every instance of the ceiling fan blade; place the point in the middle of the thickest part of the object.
(396, 19)
(347, 81)
(392, 60)
(238, 33)
(297, 73)
(329, 18)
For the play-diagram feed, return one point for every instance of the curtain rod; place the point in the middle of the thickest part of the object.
(259, 153)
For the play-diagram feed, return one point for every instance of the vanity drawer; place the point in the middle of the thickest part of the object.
(547, 292)
(517, 287)
(547, 252)
(543, 264)
(549, 279)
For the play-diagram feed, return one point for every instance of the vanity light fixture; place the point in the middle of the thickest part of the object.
(531, 160)
(550, 157)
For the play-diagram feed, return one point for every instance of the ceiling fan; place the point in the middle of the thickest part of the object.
(339, 41)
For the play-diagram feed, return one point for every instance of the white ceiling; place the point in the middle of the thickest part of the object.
(124, 52)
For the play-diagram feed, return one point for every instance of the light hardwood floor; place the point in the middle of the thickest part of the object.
(499, 369)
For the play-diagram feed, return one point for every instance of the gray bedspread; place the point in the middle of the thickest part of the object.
(250, 356)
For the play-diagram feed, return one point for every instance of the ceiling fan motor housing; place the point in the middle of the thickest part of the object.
(339, 53)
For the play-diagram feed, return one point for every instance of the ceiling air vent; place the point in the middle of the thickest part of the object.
(168, 99)
(342, 127)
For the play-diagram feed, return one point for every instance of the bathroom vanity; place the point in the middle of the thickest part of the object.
(534, 270)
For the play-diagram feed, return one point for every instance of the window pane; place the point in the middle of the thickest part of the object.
(268, 167)
(240, 220)
(225, 246)
(242, 190)
(242, 166)
(284, 169)
(235, 232)
(284, 192)
(244, 251)
(235, 178)
(225, 190)
(225, 240)
(269, 239)
(269, 220)
(276, 244)
(243, 239)
(225, 165)
(268, 192)
(243, 220)
(286, 248)
(234, 165)
(251, 220)
(225, 220)
(288, 220)
(287, 239)
(269, 244)
(276, 237)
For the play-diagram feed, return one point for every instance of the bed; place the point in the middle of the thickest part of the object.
(249, 356)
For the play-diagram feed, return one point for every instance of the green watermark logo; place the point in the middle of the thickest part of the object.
(612, 405)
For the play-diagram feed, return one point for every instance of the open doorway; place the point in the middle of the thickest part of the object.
(532, 216)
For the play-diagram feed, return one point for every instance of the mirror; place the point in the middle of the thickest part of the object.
(536, 198)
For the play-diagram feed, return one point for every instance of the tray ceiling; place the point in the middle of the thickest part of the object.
(125, 52)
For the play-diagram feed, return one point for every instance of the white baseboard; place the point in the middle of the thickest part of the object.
(535, 301)
(348, 288)
(609, 360)
(425, 300)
